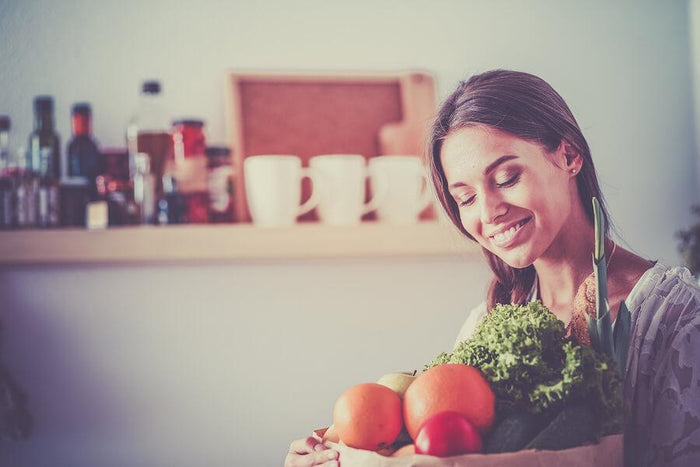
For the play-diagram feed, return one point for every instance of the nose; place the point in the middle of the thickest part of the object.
(492, 207)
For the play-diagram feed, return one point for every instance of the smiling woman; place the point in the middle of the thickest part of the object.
(514, 173)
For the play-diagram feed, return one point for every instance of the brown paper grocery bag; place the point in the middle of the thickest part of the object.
(607, 453)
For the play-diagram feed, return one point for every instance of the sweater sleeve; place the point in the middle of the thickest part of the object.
(662, 387)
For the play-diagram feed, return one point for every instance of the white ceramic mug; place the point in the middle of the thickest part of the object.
(341, 185)
(402, 183)
(273, 189)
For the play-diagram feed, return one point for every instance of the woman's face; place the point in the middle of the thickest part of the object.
(514, 198)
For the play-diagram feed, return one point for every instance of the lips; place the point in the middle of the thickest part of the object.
(505, 235)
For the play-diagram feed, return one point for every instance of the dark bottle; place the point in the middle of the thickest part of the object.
(84, 157)
(44, 161)
(4, 141)
(7, 186)
(172, 206)
(44, 143)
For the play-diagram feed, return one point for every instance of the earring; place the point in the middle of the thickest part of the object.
(573, 171)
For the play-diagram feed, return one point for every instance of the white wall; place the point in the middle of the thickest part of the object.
(219, 365)
(225, 364)
(694, 19)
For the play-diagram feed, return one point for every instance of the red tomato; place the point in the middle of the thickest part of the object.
(447, 434)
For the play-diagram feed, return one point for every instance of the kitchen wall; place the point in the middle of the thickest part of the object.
(225, 364)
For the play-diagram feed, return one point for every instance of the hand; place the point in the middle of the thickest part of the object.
(310, 452)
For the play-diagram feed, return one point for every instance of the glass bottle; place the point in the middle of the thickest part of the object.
(44, 162)
(84, 158)
(4, 141)
(44, 143)
(144, 188)
(7, 188)
(220, 183)
(148, 132)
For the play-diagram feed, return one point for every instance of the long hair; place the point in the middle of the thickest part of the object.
(524, 106)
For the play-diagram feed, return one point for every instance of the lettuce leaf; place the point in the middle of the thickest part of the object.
(531, 365)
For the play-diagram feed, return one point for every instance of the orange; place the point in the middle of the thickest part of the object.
(368, 416)
(454, 387)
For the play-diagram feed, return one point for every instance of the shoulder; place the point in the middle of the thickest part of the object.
(473, 319)
(664, 286)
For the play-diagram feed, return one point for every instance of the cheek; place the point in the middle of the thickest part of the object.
(470, 221)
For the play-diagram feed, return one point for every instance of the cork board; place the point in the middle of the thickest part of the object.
(311, 114)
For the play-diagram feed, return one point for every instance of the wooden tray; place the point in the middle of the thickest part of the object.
(309, 114)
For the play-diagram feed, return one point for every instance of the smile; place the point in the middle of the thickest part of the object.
(505, 237)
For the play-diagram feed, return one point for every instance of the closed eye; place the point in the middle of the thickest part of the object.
(466, 202)
(510, 182)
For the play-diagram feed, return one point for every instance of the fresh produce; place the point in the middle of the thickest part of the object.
(514, 432)
(450, 387)
(399, 381)
(531, 366)
(573, 426)
(447, 434)
(368, 416)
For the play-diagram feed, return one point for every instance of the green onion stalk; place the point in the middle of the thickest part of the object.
(606, 337)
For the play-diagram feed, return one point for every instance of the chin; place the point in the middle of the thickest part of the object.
(517, 260)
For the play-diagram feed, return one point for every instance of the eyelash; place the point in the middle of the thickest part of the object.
(507, 184)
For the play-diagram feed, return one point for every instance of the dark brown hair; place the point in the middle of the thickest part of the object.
(524, 106)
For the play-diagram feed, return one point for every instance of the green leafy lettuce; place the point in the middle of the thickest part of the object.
(531, 365)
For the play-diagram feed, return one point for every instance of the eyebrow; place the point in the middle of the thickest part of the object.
(490, 168)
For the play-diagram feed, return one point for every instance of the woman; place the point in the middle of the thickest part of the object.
(514, 173)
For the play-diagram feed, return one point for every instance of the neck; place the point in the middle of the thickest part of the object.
(564, 267)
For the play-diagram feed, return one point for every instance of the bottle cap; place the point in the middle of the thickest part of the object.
(82, 108)
(151, 87)
(4, 122)
(43, 104)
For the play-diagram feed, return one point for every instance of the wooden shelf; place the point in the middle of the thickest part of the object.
(237, 242)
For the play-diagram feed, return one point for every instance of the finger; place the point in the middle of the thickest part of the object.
(328, 457)
(320, 446)
(303, 446)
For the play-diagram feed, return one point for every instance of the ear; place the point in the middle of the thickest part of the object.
(569, 158)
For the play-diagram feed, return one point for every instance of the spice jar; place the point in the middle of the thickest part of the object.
(220, 184)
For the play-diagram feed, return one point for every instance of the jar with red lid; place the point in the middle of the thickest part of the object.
(188, 139)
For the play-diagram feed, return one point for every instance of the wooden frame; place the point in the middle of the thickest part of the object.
(325, 113)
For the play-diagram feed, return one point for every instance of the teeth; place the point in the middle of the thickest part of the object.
(503, 237)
